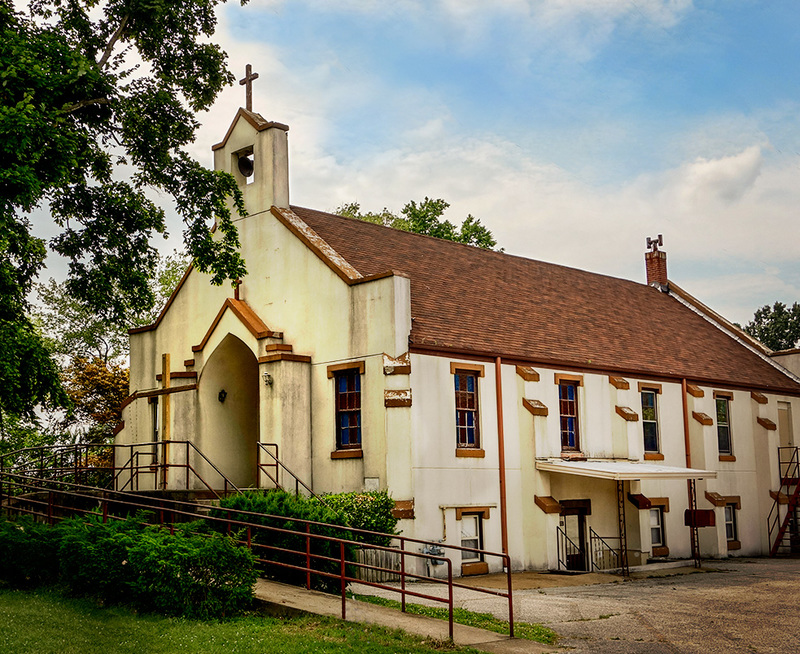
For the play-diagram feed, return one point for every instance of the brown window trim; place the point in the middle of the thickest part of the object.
(463, 410)
(649, 386)
(728, 395)
(734, 545)
(653, 456)
(660, 502)
(470, 452)
(482, 511)
(727, 457)
(660, 551)
(559, 377)
(351, 365)
(348, 454)
(467, 367)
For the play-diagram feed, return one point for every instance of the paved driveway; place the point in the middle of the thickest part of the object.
(738, 605)
(750, 605)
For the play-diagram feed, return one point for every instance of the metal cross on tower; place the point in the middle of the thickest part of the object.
(247, 81)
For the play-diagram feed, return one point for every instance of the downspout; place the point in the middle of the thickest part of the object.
(686, 442)
(502, 455)
(690, 483)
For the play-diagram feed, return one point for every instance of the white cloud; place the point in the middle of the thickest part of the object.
(728, 201)
(576, 27)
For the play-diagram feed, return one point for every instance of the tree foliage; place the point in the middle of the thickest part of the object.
(777, 327)
(97, 389)
(92, 352)
(426, 218)
(73, 330)
(85, 134)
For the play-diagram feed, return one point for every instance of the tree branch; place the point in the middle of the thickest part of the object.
(84, 103)
(112, 42)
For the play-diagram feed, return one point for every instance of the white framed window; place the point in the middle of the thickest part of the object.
(731, 526)
(650, 420)
(724, 437)
(657, 538)
(471, 536)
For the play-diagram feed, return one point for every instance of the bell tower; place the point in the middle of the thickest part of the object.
(256, 152)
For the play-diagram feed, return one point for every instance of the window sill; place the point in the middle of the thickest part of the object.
(348, 454)
(727, 457)
(470, 452)
(573, 455)
(477, 568)
(653, 456)
(660, 551)
(734, 545)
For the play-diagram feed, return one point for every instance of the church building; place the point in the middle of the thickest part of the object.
(505, 403)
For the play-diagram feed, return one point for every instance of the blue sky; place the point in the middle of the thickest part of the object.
(573, 129)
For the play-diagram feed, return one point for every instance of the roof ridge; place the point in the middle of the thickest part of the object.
(472, 248)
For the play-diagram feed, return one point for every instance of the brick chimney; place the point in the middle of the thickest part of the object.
(656, 264)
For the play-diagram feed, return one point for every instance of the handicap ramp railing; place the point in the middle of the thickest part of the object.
(314, 552)
(156, 465)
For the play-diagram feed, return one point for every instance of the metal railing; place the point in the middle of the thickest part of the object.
(777, 526)
(604, 556)
(570, 555)
(97, 465)
(55, 499)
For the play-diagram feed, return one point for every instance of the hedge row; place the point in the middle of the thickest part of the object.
(187, 574)
(278, 550)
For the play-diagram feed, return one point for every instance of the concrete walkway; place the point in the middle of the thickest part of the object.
(282, 599)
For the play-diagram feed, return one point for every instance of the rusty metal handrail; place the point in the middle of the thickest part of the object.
(55, 489)
(787, 479)
(56, 453)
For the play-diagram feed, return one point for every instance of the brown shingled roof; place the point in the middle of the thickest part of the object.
(474, 301)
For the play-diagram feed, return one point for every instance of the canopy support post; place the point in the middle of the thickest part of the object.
(623, 532)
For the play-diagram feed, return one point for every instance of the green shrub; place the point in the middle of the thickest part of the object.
(28, 553)
(193, 575)
(368, 510)
(279, 503)
(94, 557)
(150, 569)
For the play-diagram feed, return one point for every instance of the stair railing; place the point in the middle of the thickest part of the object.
(604, 555)
(789, 472)
(567, 548)
(274, 463)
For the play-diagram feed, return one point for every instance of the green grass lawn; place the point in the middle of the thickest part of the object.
(44, 622)
(526, 630)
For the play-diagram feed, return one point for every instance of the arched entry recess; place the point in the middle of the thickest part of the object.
(228, 405)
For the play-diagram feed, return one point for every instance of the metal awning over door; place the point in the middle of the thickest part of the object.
(622, 470)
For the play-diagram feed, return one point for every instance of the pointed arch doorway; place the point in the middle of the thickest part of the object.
(228, 395)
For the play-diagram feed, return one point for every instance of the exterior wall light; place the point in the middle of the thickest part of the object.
(267, 378)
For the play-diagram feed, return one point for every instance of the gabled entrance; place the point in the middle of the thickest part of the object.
(228, 400)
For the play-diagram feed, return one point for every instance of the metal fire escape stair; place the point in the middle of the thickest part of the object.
(784, 528)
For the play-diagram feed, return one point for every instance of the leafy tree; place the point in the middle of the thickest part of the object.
(93, 352)
(777, 327)
(97, 388)
(77, 117)
(73, 330)
(426, 218)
